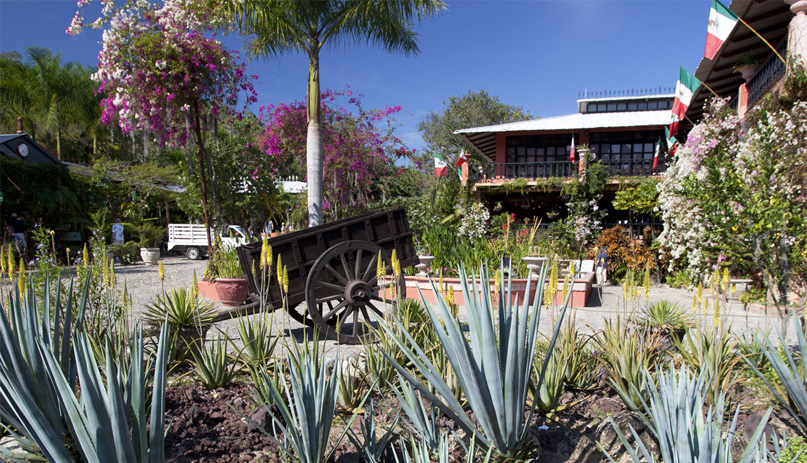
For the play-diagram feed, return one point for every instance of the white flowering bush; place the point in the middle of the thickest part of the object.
(736, 192)
(473, 222)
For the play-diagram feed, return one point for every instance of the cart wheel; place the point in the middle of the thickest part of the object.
(193, 253)
(341, 287)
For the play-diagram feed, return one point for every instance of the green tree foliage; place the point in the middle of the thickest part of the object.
(639, 199)
(474, 109)
(56, 101)
(278, 27)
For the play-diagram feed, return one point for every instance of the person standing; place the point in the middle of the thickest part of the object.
(19, 231)
(267, 228)
(602, 268)
(117, 232)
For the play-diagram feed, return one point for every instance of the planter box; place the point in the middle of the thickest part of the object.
(232, 292)
(580, 290)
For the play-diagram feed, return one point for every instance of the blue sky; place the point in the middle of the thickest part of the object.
(539, 54)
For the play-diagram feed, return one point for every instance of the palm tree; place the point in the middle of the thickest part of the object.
(277, 27)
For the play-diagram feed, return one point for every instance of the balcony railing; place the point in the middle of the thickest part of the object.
(562, 169)
(767, 75)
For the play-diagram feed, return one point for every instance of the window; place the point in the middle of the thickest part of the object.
(524, 149)
(626, 153)
(654, 104)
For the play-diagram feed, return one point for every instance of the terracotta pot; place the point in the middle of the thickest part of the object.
(150, 256)
(231, 292)
(190, 339)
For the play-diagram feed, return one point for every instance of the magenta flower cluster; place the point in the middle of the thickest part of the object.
(160, 63)
(359, 146)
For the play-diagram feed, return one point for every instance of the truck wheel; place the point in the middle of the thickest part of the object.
(193, 253)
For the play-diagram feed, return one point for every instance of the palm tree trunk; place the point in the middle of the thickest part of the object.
(200, 152)
(313, 144)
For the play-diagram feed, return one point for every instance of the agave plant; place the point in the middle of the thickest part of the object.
(674, 413)
(493, 367)
(181, 308)
(371, 446)
(214, 366)
(627, 353)
(790, 370)
(715, 351)
(422, 421)
(309, 405)
(108, 422)
(256, 335)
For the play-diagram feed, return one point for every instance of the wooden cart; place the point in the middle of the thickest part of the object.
(332, 268)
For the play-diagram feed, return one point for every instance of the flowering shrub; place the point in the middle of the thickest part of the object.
(473, 222)
(738, 195)
(157, 65)
(358, 148)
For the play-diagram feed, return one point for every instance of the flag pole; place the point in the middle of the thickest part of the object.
(763, 39)
(710, 89)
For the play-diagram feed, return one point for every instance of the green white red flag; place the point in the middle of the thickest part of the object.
(658, 150)
(721, 22)
(440, 166)
(672, 142)
(684, 89)
(571, 153)
(462, 159)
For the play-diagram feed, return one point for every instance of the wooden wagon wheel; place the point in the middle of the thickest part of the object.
(341, 287)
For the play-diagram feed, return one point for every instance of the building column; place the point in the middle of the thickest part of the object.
(797, 31)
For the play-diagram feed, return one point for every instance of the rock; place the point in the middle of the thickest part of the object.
(192, 395)
(561, 445)
(263, 417)
(194, 414)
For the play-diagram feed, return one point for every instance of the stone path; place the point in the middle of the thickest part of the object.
(606, 304)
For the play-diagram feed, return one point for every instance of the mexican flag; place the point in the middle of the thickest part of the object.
(672, 143)
(684, 89)
(721, 22)
(658, 150)
(440, 166)
(571, 154)
(462, 159)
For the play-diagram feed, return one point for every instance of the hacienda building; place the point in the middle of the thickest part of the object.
(529, 160)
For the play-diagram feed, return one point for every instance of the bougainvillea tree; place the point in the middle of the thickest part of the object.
(359, 148)
(162, 69)
(736, 195)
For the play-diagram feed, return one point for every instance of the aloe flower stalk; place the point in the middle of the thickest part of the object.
(10, 267)
(85, 256)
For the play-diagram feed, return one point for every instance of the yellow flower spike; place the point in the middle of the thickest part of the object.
(380, 269)
(10, 267)
(571, 270)
(112, 279)
(161, 271)
(440, 281)
(396, 264)
(694, 304)
(706, 306)
(565, 287)
(85, 256)
(715, 279)
(646, 282)
(194, 286)
(716, 319)
(270, 258)
(700, 293)
(285, 279)
(67, 254)
(497, 279)
(3, 259)
(726, 279)
(22, 276)
(263, 255)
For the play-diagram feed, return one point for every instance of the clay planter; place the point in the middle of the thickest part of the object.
(231, 292)
(190, 339)
(150, 256)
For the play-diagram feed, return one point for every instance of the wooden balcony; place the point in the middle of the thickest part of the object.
(562, 169)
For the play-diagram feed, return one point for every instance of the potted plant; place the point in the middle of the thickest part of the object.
(747, 66)
(223, 278)
(151, 235)
(189, 317)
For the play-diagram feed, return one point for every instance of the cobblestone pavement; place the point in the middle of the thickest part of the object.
(604, 304)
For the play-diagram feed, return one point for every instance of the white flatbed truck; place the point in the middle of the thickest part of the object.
(191, 239)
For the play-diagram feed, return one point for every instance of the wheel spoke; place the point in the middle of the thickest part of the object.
(355, 322)
(379, 299)
(375, 309)
(373, 261)
(325, 299)
(322, 284)
(334, 310)
(336, 274)
(343, 317)
(348, 269)
(357, 268)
